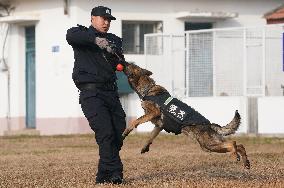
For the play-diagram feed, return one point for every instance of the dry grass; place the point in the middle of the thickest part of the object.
(173, 161)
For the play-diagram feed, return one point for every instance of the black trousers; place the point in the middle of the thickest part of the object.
(107, 119)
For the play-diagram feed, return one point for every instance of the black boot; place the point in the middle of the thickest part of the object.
(115, 179)
(103, 178)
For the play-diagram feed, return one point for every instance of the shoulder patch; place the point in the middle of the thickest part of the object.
(82, 27)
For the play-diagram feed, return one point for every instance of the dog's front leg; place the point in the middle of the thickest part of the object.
(151, 112)
(135, 123)
(155, 132)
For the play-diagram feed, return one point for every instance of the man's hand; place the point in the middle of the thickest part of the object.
(104, 44)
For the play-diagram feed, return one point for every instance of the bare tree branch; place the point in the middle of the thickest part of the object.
(7, 8)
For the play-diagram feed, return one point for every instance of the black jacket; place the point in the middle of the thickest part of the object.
(92, 64)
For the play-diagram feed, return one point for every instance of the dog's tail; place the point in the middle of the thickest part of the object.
(230, 128)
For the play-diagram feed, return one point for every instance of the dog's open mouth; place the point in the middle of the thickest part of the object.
(127, 71)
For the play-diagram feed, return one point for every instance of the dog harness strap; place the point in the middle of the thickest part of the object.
(158, 99)
(144, 92)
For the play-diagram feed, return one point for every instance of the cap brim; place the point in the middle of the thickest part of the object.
(109, 16)
(105, 15)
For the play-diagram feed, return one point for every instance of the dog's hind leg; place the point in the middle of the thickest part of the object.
(224, 147)
(231, 147)
(155, 132)
(241, 149)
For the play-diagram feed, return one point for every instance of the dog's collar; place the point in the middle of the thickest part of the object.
(145, 92)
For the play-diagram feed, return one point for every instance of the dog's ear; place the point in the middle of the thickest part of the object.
(146, 72)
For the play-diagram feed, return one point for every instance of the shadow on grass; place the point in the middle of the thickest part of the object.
(205, 172)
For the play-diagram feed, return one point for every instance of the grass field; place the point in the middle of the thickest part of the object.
(173, 161)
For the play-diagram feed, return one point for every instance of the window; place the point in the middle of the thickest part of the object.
(133, 34)
(197, 26)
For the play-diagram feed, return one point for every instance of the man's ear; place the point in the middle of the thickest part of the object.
(146, 72)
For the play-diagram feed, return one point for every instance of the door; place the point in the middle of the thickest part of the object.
(30, 77)
(200, 62)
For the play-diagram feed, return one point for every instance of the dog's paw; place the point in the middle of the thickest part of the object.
(247, 164)
(145, 149)
(123, 137)
(124, 134)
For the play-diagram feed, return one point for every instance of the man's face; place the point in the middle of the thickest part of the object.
(101, 23)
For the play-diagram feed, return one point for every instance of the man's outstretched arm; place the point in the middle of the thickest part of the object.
(80, 36)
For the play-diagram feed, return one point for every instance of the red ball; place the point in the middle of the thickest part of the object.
(119, 67)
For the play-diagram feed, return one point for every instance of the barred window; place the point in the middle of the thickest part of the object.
(133, 34)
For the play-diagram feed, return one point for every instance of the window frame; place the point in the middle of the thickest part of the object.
(138, 46)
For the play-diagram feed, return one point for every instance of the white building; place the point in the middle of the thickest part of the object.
(39, 92)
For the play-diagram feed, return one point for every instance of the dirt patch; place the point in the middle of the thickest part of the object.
(173, 161)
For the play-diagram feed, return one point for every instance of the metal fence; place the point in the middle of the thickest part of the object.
(165, 57)
(219, 62)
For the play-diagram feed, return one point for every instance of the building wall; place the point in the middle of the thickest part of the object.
(57, 108)
(270, 115)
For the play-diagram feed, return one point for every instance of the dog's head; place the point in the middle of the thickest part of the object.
(133, 71)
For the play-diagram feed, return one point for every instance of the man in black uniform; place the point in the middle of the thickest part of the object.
(96, 56)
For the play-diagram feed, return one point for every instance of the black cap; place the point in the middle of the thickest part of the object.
(102, 11)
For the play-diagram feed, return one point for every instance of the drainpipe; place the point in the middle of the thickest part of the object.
(7, 70)
(7, 8)
(66, 7)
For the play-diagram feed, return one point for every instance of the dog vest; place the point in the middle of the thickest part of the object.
(176, 113)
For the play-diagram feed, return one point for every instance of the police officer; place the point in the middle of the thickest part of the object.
(96, 56)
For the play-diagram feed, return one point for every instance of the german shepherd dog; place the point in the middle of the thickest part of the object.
(209, 136)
